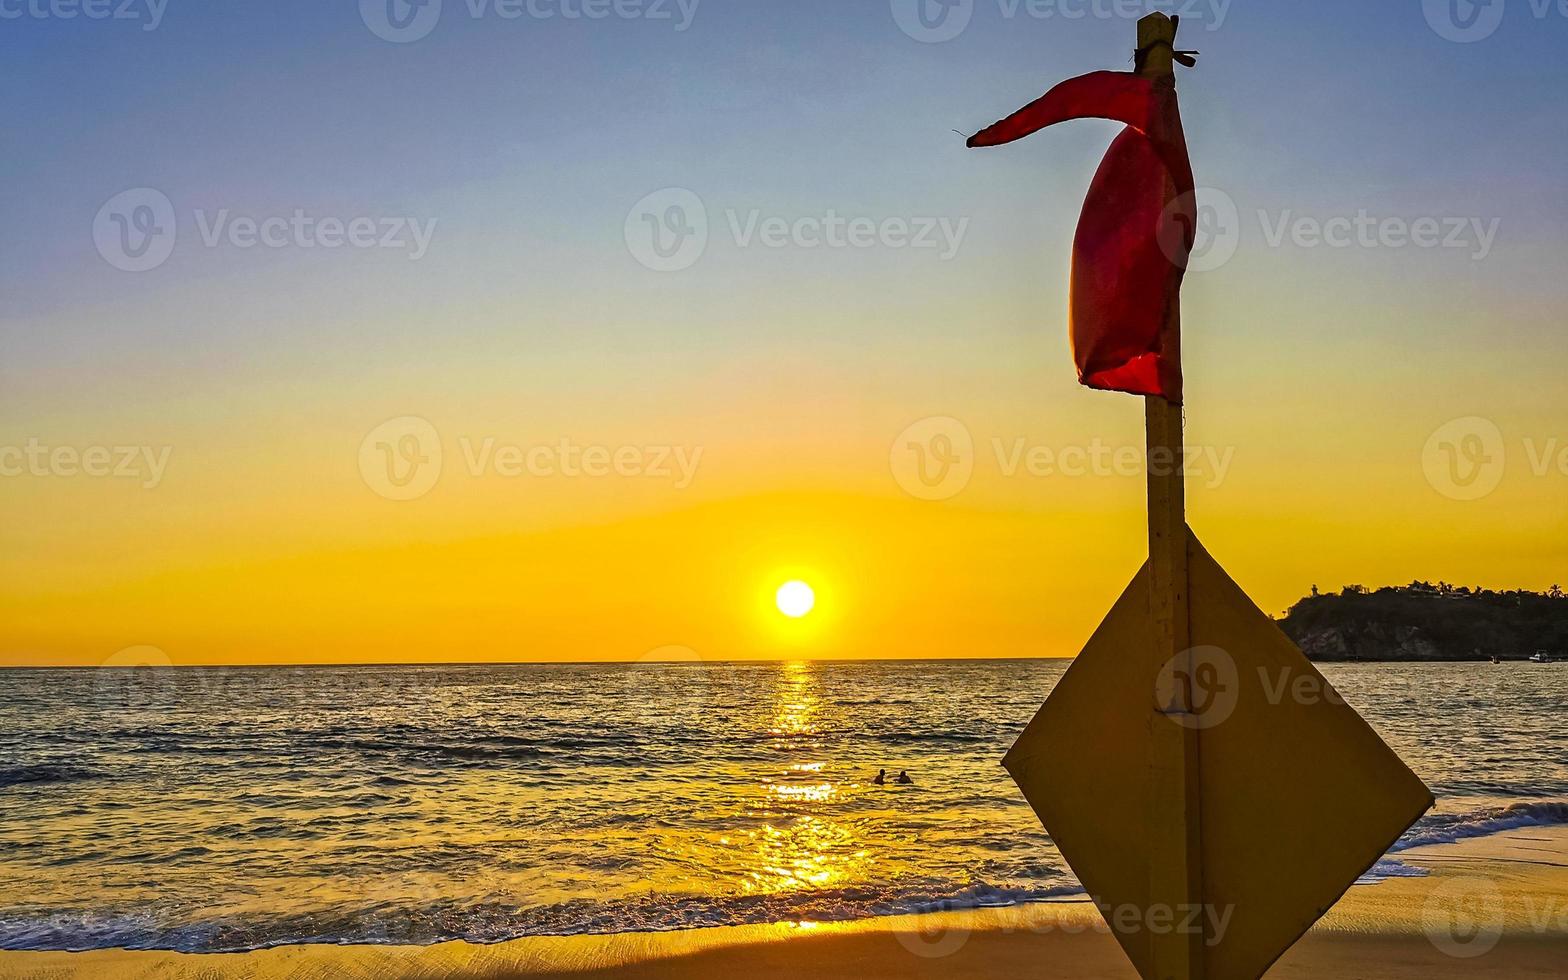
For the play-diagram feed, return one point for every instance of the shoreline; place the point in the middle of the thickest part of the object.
(1497, 903)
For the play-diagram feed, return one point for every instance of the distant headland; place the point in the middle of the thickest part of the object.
(1426, 622)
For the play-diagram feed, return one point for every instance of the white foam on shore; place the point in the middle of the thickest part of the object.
(1445, 828)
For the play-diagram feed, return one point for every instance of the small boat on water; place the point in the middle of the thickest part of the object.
(1496, 660)
(1541, 657)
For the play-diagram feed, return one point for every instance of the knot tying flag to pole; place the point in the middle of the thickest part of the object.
(1187, 58)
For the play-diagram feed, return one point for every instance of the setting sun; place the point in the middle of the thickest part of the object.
(795, 599)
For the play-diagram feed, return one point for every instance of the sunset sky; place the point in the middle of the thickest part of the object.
(750, 414)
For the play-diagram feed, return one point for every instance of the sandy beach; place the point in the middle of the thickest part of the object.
(1496, 905)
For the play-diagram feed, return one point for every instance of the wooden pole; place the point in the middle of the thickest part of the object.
(1176, 866)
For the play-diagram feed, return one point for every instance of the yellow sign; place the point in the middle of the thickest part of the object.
(1297, 795)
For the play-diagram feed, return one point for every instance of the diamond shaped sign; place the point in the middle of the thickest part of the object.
(1297, 797)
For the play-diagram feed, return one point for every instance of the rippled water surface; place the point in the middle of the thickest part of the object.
(235, 808)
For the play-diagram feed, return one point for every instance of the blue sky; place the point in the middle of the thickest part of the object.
(299, 103)
(528, 139)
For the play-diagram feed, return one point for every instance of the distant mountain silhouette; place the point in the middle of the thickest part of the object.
(1426, 622)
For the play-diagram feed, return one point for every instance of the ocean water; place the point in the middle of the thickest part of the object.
(229, 809)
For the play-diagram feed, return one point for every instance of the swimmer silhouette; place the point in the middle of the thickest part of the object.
(881, 778)
(904, 780)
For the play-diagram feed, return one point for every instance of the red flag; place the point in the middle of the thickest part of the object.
(1135, 233)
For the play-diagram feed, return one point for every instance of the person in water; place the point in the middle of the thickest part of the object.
(881, 778)
(904, 780)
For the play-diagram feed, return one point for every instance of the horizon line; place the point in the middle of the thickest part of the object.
(532, 663)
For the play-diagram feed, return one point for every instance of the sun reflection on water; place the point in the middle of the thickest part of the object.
(796, 700)
(806, 842)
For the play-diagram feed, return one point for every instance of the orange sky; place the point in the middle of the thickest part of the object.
(289, 550)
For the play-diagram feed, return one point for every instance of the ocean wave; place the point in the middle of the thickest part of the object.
(1387, 868)
(478, 749)
(916, 738)
(1448, 828)
(38, 774)
(487, 923)
(426, 919)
